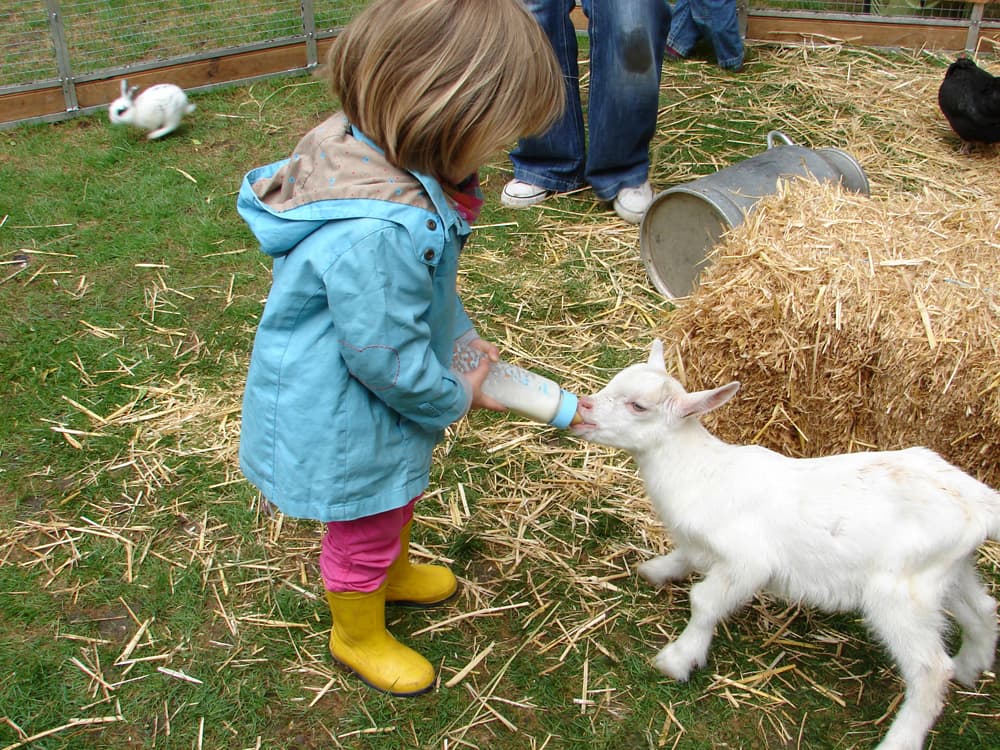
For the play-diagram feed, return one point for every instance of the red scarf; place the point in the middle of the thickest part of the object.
(466, 196)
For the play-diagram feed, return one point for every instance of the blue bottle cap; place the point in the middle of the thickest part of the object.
(566, 411)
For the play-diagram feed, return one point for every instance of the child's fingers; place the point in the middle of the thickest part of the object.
(486, 347)
(481, 400)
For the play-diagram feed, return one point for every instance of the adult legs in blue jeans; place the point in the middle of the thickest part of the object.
(626, 54)
(717, 21)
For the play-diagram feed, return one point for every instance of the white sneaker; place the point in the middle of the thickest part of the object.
(631, 203)
(521, 194)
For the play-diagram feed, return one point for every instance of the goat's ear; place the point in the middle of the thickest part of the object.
(656, 356)
(702, 402)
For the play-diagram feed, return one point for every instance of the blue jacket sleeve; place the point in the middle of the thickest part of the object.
(392, 315)
(463, 323)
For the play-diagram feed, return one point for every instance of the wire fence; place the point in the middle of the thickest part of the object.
(100, 35)
(909, 9)
(66, 44)
(52, 49)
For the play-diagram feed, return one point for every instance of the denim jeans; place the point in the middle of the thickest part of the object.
(716, 20)
(626, 54)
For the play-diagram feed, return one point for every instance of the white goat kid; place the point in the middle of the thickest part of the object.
(890, 534)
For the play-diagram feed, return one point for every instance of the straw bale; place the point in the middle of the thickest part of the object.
(853, 323)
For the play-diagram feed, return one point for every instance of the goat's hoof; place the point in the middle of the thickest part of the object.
(652, 573)
(967, 676)
(674, 663)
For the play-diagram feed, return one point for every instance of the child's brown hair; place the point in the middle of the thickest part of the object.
(442, 85)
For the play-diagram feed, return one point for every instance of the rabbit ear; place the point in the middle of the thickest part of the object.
(124, 84)
(132, 91)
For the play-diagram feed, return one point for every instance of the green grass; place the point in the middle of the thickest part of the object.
(140, 580)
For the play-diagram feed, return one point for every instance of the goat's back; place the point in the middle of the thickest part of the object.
(820, 525)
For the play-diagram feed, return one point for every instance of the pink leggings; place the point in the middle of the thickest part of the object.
(356, 554)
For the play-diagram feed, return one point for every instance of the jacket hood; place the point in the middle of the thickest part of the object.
(335, 172)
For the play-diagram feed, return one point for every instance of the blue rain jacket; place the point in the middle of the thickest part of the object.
(350, 385)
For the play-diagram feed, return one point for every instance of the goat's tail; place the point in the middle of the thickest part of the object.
(994, 506)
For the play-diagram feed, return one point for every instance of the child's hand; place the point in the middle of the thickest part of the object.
(476, 377)
(479, 399)
(486, 348)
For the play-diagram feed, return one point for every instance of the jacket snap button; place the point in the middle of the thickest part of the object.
(428, 255)
(431, 224)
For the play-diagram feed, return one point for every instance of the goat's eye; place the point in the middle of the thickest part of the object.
(636, 407)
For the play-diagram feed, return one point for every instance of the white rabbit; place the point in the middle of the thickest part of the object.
(891, 534)
(159, 109)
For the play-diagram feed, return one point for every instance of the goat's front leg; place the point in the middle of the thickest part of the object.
(721, 592)
(670, 567)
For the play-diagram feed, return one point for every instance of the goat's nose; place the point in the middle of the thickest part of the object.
(585, 403)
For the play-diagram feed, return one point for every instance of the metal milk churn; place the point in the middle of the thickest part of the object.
(684, 222)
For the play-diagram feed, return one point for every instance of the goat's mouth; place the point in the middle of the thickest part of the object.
(581, 424)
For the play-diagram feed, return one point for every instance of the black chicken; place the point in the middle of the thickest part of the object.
(970, 98)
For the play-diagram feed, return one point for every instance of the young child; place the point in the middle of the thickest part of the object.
(350, 385)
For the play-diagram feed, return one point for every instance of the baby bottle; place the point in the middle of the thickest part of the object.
(520, 390)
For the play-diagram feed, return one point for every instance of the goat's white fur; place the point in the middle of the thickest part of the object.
(890, 534)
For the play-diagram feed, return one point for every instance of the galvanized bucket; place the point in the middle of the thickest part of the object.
(684, 222)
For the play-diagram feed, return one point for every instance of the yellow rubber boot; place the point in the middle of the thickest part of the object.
(359, 641)
(416, 584)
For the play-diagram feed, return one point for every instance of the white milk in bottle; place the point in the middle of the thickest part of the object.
(522, 391)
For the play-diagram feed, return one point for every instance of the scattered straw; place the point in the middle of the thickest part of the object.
(565, 520)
